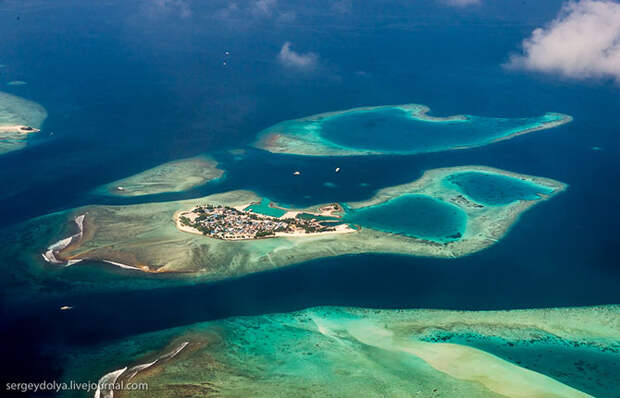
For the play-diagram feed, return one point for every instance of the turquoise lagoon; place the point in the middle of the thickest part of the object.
(494, 189)
(412, 215)
(264, 208)
(400, 129)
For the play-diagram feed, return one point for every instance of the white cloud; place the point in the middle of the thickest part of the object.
(582, 42)
(256, 10)
(227, 12)
(460, 3)
(292, 59)
(263, 7)
(156, 8)
(341, 6)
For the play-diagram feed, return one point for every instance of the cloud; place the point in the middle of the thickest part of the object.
(263, 7)
(292, 59)
(460, 3)
(156, 8)
(341, 6)
(258, 10)
(582, 42)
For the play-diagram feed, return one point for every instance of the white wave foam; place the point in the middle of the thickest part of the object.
(174, 352)
(139, 368)
(110, 378)
(50, 253)
(122, 265)
(79, 220)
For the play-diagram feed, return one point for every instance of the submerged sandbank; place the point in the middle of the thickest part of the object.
(147, 237)
(19, 118)
(394, 129)
(176, 176)
(333, 351)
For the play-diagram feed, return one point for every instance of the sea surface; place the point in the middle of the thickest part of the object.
(128, 85)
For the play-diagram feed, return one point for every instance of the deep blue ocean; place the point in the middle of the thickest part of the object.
(128, 86)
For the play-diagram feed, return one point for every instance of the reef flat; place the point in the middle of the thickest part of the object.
(146, 236)
(18, 118)
(332, 351)
(394, 129)
(176, 176)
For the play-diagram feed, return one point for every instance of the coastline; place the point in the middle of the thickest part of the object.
(174, 176)
(304, 138)
(148, 236)
(19, 118)
(53, 253)
(347, 348)
(339, 229)
(17, 129)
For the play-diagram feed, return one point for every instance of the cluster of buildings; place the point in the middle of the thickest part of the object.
(228, 223)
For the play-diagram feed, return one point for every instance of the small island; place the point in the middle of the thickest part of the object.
(229, 223)
(235, 233)
(18, 119)
(335, 351)
(176, 176)
(394, 129)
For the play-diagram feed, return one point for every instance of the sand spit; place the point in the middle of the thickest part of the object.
(50, 254)
(125, 266)
(176, 176)
(106, 383)
(19, 118)
(338, 351)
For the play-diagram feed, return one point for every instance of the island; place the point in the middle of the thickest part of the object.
(229, 223)
(176, 176)
(227, 234)
(18, 119)
(394, 129)
(338, 351)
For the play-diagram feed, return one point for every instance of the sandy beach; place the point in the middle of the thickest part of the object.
(17, 128)
(339, 229)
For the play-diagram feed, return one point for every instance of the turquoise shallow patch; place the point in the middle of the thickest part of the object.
(577, 365)
(263, 208)
(412, 215)
(395, 130)
(494, 189)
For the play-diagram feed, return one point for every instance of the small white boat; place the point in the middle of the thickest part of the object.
(337, 169)
(66, 308)
(296, 173)
(120, 188)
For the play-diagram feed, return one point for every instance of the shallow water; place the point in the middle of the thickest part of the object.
(493, 189)
(264, 208)
(392, 130)
(584, 368)
(127, 90)
(412, 215)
